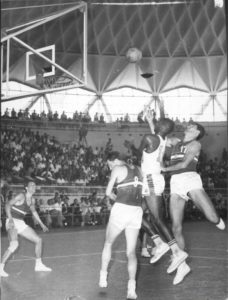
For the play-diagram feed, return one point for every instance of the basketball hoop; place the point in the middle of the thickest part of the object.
(52, 82)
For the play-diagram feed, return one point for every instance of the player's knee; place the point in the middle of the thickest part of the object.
(130, 254)
(13, 246)
(38, 241)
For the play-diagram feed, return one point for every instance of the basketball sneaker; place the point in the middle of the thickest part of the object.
(145, 253)
(103, 279)
(131, 294)
(221, 225)
(182, 271)
(2, 272)
(40, 267)
(159, 251)
(176, 260)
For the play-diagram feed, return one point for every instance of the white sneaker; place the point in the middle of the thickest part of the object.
(131, 294)
(145, 253)
(153, 250)
(182, 271)
(159, 252)
(177, 260)
(103, 279)
(221, 225)
(42, 268)
(3, 273)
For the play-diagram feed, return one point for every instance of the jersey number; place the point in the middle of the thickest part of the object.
(136, 181)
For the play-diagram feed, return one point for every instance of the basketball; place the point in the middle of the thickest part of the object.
(133, 55)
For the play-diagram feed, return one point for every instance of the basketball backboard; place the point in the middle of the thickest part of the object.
(48, 54)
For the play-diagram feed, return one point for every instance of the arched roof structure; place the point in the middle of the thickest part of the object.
(183, 43)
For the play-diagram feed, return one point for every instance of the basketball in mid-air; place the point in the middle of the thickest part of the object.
(133, 55)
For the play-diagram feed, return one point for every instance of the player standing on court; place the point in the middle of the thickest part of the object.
(16, 210)
(126, 214)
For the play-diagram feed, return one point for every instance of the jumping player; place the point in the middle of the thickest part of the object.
(152, 150)
(126, 214)
(186, 183)
(16, 209)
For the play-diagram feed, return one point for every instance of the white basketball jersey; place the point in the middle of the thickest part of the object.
(151, 162)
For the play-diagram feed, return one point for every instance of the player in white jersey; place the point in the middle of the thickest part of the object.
(151, 150)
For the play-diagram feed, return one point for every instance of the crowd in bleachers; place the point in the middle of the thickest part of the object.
(30, 155)
(59, 211)
(213, 171)
(80, 117)
(26, 154)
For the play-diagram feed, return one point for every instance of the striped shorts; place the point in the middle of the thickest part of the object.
(153, 184)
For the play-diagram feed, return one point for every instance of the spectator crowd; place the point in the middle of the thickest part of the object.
(30, 155)
(80, 117)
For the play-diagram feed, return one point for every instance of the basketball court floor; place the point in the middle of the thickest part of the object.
(74, 256)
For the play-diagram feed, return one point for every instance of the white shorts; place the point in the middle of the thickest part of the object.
(126, 216)
(20, 225)
(183, 183)
(154, 183)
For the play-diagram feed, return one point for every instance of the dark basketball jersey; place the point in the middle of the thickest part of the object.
(177, 155)
(20, 211)
(129, 191)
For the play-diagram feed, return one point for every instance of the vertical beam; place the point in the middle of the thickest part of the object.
(7, 66)
(85, 42)
(213, 106)
(1, 63)
(109, 116)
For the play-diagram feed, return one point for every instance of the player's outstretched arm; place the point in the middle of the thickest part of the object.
(150, 119)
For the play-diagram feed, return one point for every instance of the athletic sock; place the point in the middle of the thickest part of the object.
(157, 240)
(173, 244)
(38, 261)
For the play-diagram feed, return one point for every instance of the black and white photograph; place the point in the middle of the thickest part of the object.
(114, 150)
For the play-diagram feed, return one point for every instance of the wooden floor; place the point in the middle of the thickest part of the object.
(75, 256)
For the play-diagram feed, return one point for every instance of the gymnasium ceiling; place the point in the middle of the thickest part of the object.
(183, 43)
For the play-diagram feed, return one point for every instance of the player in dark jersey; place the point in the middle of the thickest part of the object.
(16, 210)
(126, 214)
(186, 183)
